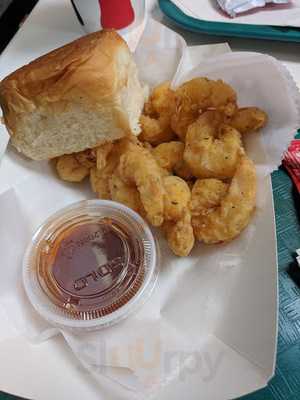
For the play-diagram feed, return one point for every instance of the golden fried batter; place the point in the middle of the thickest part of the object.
(183, 171)
(87, 158)
(102, 153)
(163, 99)
(212, 151)
(155, 122)
(99, 184)
(180, 235)
(227, 220)
(207, 195)
(155, 131)
(100, 178)
(177, 197)
(249, 119)
(125, 194)
(70, 170)
(138, 167)
(198, 95)
(168, 155)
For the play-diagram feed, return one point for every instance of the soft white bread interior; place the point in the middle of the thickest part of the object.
(76, 97)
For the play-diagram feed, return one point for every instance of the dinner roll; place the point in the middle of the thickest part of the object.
(76, 97)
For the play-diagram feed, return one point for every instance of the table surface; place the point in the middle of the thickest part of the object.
(283, 386)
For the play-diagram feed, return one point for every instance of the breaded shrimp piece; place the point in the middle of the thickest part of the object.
(155, 130)
(180, 235)
(100, 183)
(125, 194)
(228, 219)
(156, 120)
(87, 158)
(163, 98)
(168, 155)
(249, 119)
(100, 178)
(138, 167)
(70, 170)
(177, 198)
(212, 151)
(198, 95)
(102, 153)
(207, 195)
(183, 171)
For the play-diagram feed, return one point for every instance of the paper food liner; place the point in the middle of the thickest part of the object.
(272, 14)
(188, 303)
(235, 7)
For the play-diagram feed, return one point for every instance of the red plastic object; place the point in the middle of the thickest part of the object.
(291, 162)
(116, 14)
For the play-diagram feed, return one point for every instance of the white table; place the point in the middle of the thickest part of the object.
(53, 21)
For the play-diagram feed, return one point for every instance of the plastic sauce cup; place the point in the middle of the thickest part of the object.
(90, 265)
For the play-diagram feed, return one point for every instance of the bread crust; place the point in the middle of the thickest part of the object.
(90, 71)
(86, 65)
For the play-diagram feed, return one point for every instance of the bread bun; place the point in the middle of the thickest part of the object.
(76, 97)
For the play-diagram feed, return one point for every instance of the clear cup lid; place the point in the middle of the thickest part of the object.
(90, 265)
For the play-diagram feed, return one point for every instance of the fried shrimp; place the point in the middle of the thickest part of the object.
(125, 194)
(102, 153)
(108, 158)
(196, 96)
(163, 99)
(100, 178)
(183, 171)
(187, 171)
(99, 183)
(168, 155)
(224, 216)
(155, 131)
(138, 167)
(156, 121)
(207, 195)
(177, 218)
(212, 150)
(180, 234)
(249, 119)
(87, 158)
(69, 169)
(177, 197)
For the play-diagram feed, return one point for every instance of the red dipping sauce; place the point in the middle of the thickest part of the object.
(90, 264)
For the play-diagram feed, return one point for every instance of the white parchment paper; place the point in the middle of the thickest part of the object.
(191, 300)
(273, 14)
(235, 7)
